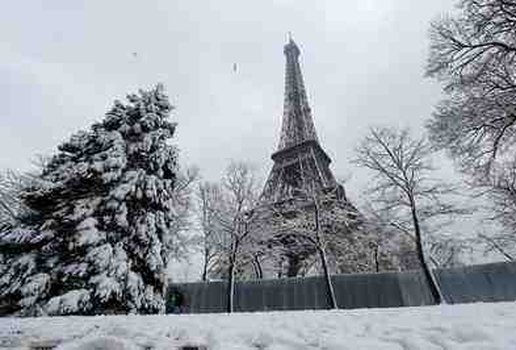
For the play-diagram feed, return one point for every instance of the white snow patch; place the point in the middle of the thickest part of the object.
(468, 326)
(99, 343)
(69, 302)
(88, 233)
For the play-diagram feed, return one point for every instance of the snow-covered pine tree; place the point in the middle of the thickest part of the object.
(102, 216)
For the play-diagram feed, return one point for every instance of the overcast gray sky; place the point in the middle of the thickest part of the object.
(63, 62)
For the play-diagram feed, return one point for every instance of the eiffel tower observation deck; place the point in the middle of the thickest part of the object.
(300, 163)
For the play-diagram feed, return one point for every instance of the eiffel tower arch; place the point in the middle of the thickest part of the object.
(300, 164)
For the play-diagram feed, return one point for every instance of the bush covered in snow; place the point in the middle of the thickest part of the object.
(102, 213)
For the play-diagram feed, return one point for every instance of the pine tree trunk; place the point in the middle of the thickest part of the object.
(432, 285)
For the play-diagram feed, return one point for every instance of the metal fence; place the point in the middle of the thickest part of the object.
(491, 282)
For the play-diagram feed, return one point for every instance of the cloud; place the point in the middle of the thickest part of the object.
(65, 63)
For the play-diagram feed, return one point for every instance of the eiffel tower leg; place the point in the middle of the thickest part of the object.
(294, 265)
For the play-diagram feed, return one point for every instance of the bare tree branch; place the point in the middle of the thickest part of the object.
(473, 54)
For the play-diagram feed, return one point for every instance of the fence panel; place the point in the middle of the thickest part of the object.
(489, 282)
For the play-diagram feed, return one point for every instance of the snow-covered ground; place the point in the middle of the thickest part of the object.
(471, 326)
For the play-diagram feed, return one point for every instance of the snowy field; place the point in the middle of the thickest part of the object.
(468, 326)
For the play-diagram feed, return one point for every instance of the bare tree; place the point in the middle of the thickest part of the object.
(502, 209)
(396, 242)
(226, 219)
(499, 194)
(393, 244)
(209, 197)
(403, 187)
(502, 194)
(474, 54)
(179, 235)
(240, 184)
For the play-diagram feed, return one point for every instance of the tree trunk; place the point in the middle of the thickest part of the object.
(205, 267)
(231, 284)
(257, 268)
(324, 262)
(204, 228)
(376, 258)
(432, 285)
(327, 278)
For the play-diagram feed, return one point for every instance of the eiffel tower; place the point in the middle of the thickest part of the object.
(300, 164)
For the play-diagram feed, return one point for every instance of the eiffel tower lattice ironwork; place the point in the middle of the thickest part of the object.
(300, 167)
(300, 163)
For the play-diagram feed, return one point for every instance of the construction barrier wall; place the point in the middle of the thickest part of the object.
(490, 282)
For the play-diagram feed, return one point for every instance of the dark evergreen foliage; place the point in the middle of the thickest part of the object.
(102, 213)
